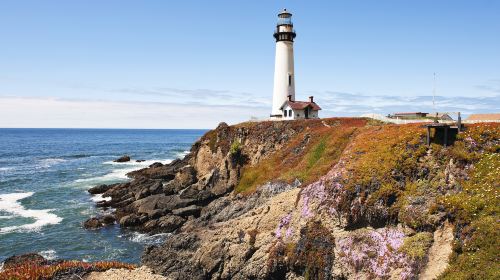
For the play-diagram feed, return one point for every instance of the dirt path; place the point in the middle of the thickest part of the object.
(438, 253)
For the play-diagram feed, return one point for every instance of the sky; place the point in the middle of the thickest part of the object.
(193, 64)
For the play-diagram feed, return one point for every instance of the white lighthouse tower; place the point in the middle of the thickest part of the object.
(284, 78)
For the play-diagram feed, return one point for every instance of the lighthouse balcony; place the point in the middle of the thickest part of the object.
(285, 36)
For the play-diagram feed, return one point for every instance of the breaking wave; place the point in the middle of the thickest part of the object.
(10, 203)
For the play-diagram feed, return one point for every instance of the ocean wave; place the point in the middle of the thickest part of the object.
(120, 174)
(48, 254)
(48, 162)
(5, 169)
(98, 197)
(10, 203)
(147, 239)
(182, 154)
(115, 175)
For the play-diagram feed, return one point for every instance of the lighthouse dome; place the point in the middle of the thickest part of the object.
(284, 14)
(284, 18)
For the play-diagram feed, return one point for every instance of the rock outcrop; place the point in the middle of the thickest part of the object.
(162, 197)
(316, 199)
(124, 158)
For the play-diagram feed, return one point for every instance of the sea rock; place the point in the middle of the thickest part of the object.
(98, 222)
(92, 223)
(129, 221)
(124, 158)
(99, 189)
(156, 164)
(140, 160)
(32, 258)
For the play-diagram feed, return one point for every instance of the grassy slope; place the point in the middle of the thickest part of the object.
(307, 157)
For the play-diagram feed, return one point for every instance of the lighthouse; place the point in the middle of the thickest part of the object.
(284, 77)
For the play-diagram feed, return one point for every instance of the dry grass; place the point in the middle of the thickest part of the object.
(308, 156)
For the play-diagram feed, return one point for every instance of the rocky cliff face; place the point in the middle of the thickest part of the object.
(318, 199)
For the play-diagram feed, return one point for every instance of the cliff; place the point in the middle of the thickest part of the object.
(320, 199)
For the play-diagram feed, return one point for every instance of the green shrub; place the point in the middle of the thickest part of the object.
(235, 147)
(416, 246)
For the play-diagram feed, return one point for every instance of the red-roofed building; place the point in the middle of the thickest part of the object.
(295, 110)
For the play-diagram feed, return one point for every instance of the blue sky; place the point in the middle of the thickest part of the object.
(192, 64)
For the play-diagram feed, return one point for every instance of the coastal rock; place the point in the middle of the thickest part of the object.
(156, 171)
(99, 189)
(33, 258)
(191, 210)
(98, 222)
(124, 158)
(255, 213)
(129, 221)
(170, 223)
(183, 178)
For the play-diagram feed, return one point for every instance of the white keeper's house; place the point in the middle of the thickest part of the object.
(285, 107)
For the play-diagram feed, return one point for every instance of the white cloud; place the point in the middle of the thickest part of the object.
(347, 104)
(52, 112)
(218, 106)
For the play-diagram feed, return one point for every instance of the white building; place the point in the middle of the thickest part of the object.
(284, 105)
(296, 110)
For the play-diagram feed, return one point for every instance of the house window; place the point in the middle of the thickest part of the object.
(289, 80)
(286, 111)
(290, 112)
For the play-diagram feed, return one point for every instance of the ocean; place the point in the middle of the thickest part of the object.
(44, 178)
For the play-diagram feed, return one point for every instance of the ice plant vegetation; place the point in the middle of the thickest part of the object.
(35, 271)
(376, 253)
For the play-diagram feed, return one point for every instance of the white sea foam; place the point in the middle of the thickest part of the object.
(48, 162)
(145, 238)
(10, 203)
(5, 169)
(48, 254)
(98, 197)
(120, 173)
(182, 154)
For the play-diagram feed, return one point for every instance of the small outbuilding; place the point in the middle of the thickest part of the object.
(296, 110)
(408, 115)
(440, 116)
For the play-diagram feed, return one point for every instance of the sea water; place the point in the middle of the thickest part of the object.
(44, 178)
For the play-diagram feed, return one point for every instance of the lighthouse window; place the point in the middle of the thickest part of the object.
(289, 80)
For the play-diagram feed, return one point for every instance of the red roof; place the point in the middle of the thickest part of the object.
(300, 105)
(484, 117)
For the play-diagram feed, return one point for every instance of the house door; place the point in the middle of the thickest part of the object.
(306, 113)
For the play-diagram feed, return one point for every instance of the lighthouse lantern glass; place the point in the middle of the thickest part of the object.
(285, 21)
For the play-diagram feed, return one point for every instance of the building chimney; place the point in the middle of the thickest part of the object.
(289, 97)
(311, 99)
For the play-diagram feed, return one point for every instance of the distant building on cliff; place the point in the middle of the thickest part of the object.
(484, 117)
(284, 105)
